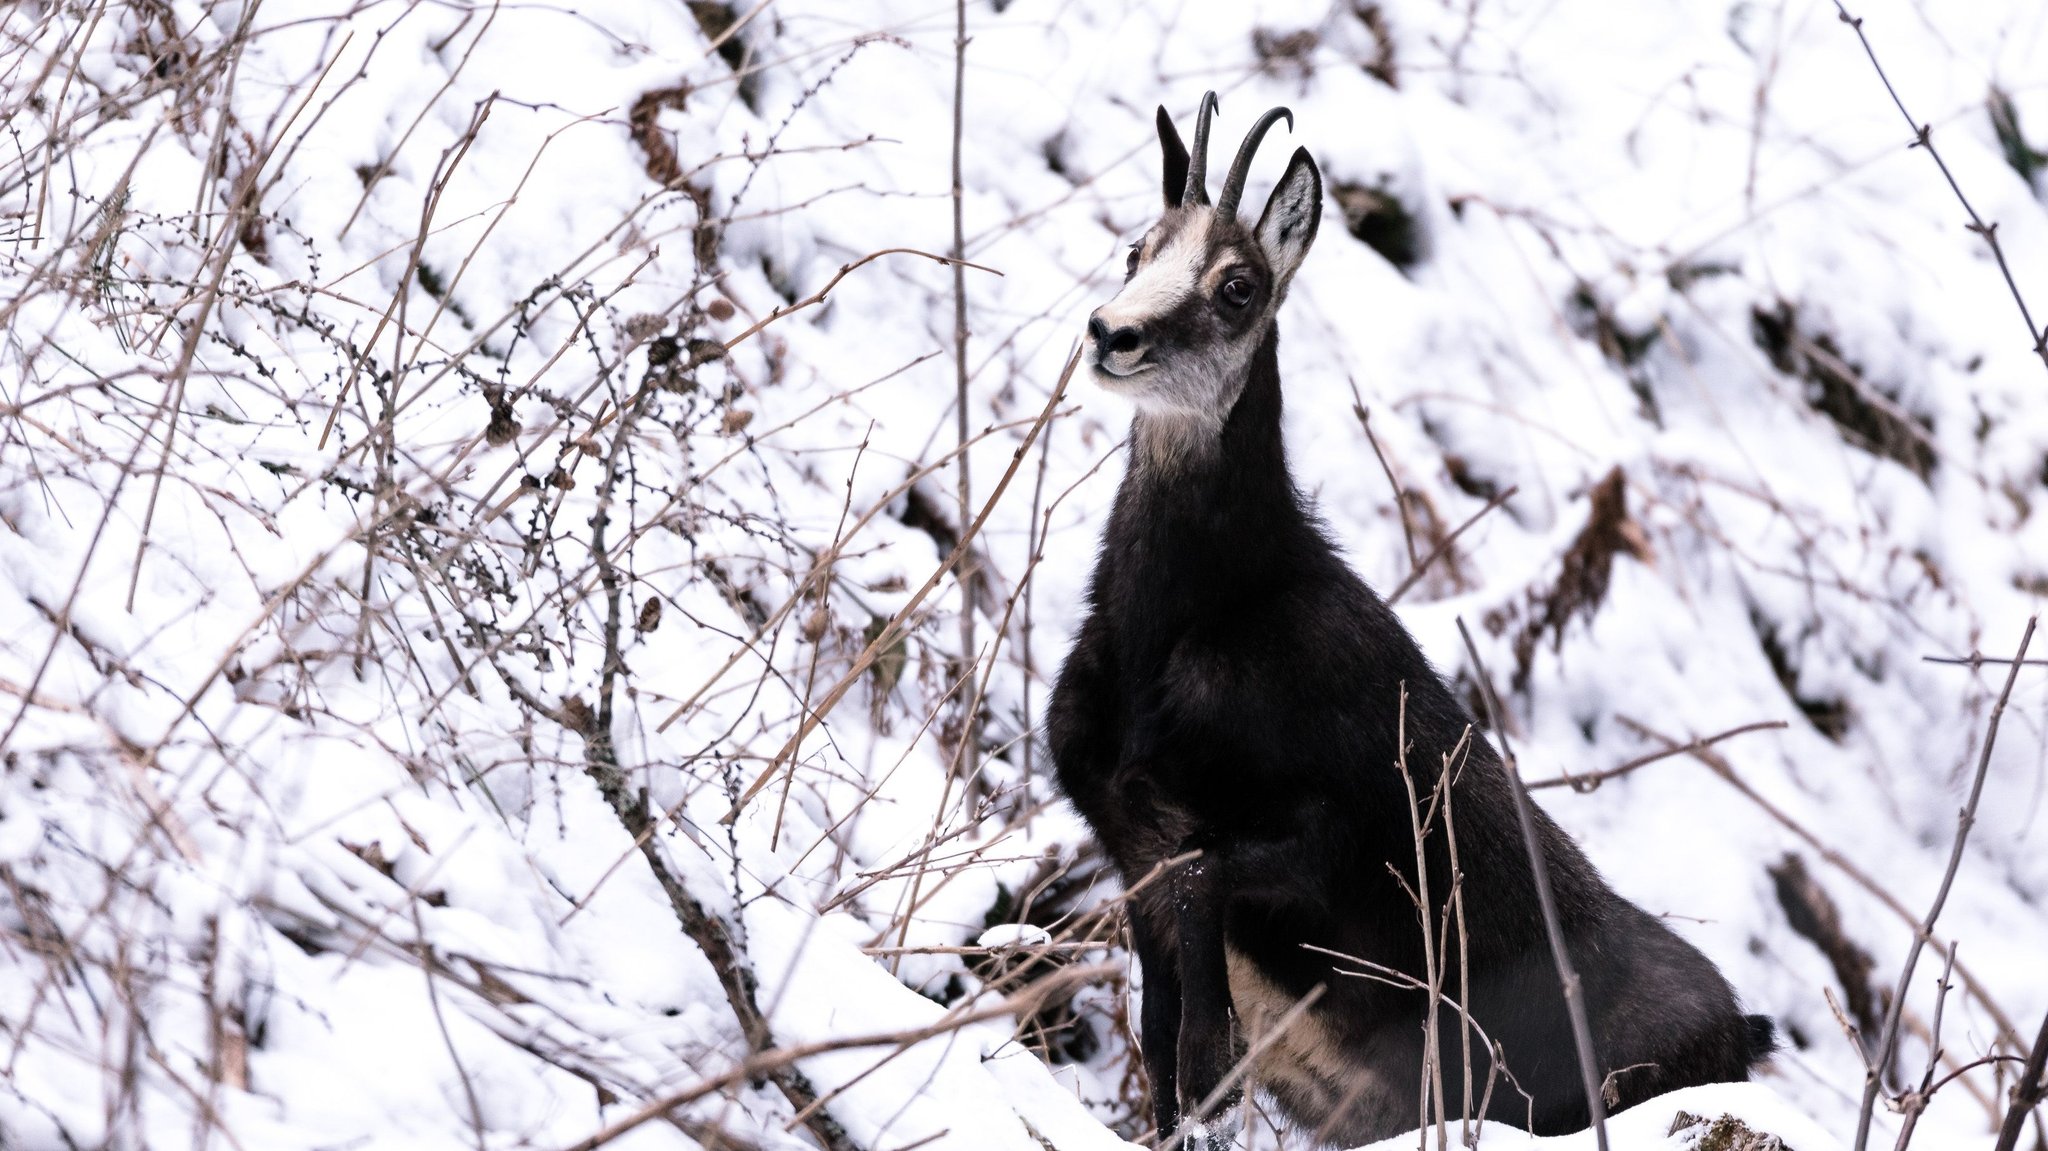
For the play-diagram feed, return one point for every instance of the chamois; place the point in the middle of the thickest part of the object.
(1229, 717)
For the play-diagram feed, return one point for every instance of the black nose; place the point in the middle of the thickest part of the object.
(1112, 340)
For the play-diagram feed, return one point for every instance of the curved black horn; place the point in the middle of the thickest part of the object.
(1197, 191)
(1233, 184)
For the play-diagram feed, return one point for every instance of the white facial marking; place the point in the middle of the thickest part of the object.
(1172, 275)
(1183, 393)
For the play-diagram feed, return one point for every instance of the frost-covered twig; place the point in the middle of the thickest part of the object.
(1873, 1080)
(1923, 137)
(1574, 998)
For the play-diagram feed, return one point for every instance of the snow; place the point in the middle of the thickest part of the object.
(1013, 935)
(303, 632)
(1648, 1126)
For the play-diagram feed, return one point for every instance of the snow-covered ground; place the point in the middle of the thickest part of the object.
(421, 528)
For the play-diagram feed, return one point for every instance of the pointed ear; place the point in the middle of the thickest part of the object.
(1175, 155)
(1288, 225)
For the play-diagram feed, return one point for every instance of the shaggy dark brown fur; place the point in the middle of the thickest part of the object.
(1234, 691)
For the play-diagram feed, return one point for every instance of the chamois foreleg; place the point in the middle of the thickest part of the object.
(1205, 1048)
(1154, 940)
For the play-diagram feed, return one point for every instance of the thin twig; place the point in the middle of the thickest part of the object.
(970, 730)
(1462, 753)
(1022, 949)
(1539, 868)
(1592, 780)
(1873, 1080)
(476, 1113)
(1848, 1028)
(818, 297)
(1441, 549)
(1358, 408)
(1916, 1100)
(1978, 659)
(437, 186)
(1715, 762)
(1395, 977)
(1432, 1079)
(1034, 539)
(1259, 1047)
(820, 569)
(896, 625)
(1923, 137)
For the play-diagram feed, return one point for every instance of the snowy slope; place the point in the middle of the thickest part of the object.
(423, 522)
(1671, 1122)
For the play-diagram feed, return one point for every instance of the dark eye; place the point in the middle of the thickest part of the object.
(1131, 263)
(1237, 291)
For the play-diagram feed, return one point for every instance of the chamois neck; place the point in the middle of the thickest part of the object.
(1179, 455)
(1223, 518)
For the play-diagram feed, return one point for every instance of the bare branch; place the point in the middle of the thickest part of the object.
(1978, 659)
(1719, 765)
(1873, 1080)
(818, 297)
(1592, 780)
(2026, 1094)
(895, 627)
(1415, 564)
(970, 730)
(1441, 549)
(1574, 998)
(1923, 137)
(1916, 1100)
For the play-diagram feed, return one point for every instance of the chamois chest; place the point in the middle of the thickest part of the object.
(1222, 631)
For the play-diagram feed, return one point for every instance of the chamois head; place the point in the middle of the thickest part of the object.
(1200, 288)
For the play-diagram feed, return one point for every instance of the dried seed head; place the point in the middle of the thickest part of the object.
(816, 623)
(704, 351)
(576, 715)
(644, 327)
(502, 428)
